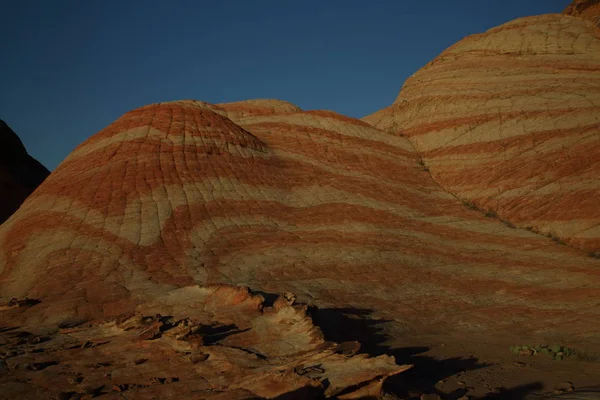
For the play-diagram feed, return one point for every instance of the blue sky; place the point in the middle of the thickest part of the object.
(71, 67)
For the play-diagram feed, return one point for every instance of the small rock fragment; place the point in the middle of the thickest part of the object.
(348, 348)
(289, 297)
(564, 387)
(93, 390)
(41, 365)
(75, 380)
(26, 302)
(66, 396)
(152, 332)
(520, 364)
(526, 352)
(199, 357)
(195, 340)
(120, 388)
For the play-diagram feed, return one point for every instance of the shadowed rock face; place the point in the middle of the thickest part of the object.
(588, 9)
(20, 173)
(197, 342)
(510, 120)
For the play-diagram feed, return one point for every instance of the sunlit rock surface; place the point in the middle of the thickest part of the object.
(196, 342)
(124, 274)
(510, 120)
(588, 9)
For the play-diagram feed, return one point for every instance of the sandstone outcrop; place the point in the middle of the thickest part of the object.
(146, 265)
(20, 173)
(509, 120)
(311, 202)
(247, 108)
(175, 195)
(196, 342)
(588, 9)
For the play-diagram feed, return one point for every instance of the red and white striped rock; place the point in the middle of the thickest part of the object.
(175, 195)
(325, 206)
(510, 120)
(588, 9)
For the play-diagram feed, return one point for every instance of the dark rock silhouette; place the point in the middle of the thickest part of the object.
(20, 174)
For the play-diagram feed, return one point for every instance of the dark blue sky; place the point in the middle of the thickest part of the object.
(68, 68)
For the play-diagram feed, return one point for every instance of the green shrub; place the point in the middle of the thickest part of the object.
(556, 351)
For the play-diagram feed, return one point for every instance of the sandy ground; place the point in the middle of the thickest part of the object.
(471, 366)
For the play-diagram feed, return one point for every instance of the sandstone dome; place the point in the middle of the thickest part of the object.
(509, 120)
(207, 251)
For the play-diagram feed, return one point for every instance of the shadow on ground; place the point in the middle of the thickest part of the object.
(350, 324)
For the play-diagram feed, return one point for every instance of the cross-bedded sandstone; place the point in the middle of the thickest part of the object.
(510, 120)
(130, 254)
(588, 9)
(177, 194)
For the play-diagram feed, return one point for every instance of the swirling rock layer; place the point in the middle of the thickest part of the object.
(197, 342)
(20, 173)
(265, 195)
(510, 120)
(178, 194)
(588, 9)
